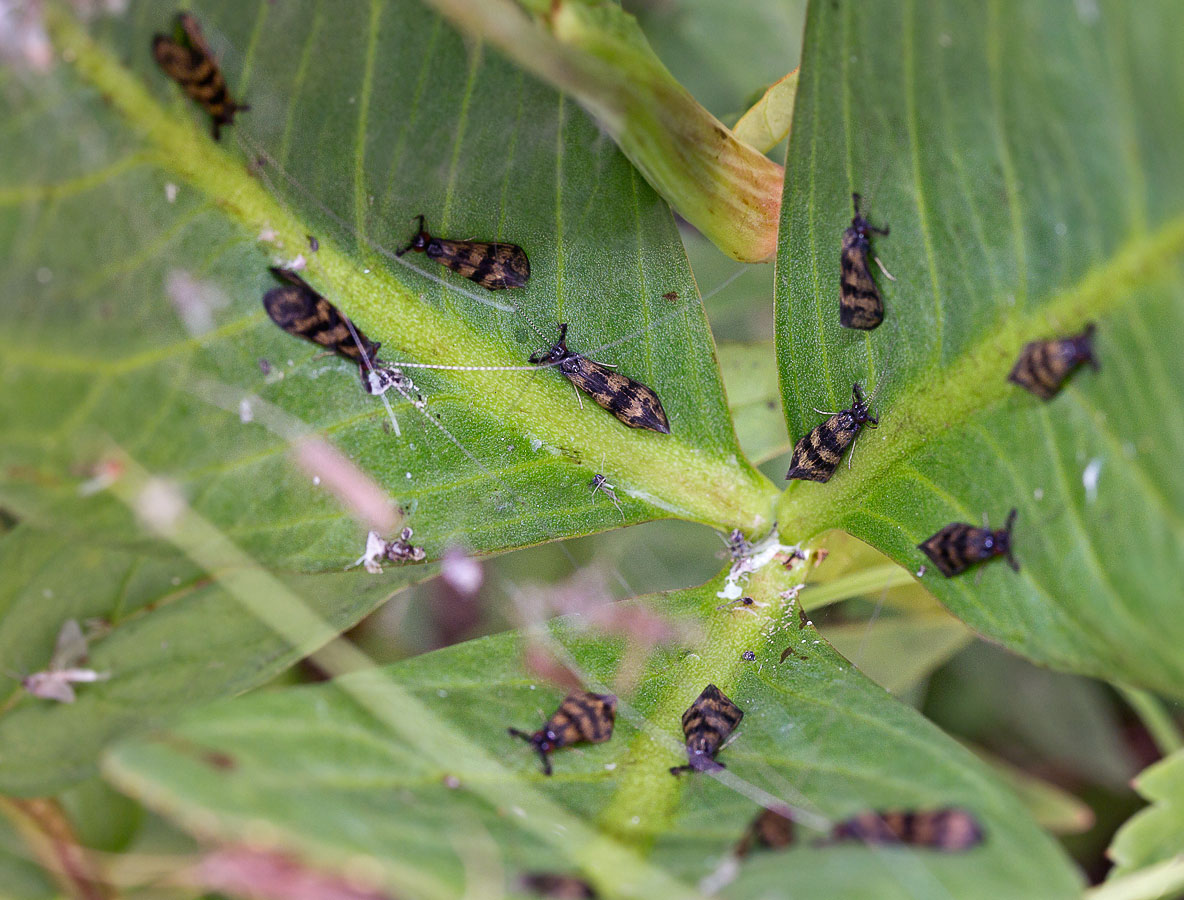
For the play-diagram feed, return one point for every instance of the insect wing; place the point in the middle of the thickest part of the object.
(817, 455)
(493, 265)
(70, 647)
(635, 404)
(49, 686)
(584, 716)
(949, 549)
(860, 305)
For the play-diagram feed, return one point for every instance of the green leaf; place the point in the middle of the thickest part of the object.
(750, 373)
(899, 652)
(169, 634)
(1152, 835)
(1015, 215)
(411, 767)
(373, 148)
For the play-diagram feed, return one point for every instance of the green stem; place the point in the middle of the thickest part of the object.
(681, 479)
(856, 584)
(1155, 718)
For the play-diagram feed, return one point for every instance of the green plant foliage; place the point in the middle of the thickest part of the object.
(168, 633)
(1153, 835)
(335, 781)
(1028, 168)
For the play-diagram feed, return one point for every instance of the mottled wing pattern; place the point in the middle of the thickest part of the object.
(300, 310)
(860, 305)
(49, 686)
(944, 829)
(493, 265)
(955, 548)
(583, 716)
(1043, 367)
(771, 829)
(817, 455)
(70, 648)
(707, 724)
(186, 58)
(559, 887)
(635, 404)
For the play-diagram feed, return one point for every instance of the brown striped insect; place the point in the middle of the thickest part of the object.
(561, 887)
(772, 829)
(186, 58)
(630, 401)
(948, 830)
(582, 716)
(860, 305)
(959, 546)
(492, 264)
(818, 453)
(300, 310)
(1044, 366)
(707, 724)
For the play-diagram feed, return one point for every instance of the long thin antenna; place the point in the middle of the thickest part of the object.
(371, 370)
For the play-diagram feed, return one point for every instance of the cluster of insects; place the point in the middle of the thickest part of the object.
(1043, 368)
(584, 717)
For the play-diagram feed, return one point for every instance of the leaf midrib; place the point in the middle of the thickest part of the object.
(977, 380)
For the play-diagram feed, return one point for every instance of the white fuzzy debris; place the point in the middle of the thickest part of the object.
(160, 504)
(461, 572)
(195, 300)
(297, 264)
(372, 558)
(245, 414)
(316, 480)
(1038, 493)
(761, 554)
(1089, 479)
(170, 192)
(268, 235)
(725, 873)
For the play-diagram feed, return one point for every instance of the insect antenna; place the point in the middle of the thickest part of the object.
(529, 738)
(373, 373)
(418, 232)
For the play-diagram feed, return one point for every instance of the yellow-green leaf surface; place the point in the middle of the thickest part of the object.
(411, 768)
(1026, 161)
(360, 119)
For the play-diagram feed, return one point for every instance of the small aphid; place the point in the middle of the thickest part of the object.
(1044, 366)
(300, 310)
(732, 604)
(772, 829)
(561, 887)
(817, 454)
(313, 244)
(379, 549)
(748, 656)
(707, 724)
(738, 545)
(69, 651)
(186, 58)
(600, 483)
(630, 401)
(959, 546)
(947, 830)
(860, 305)
(670, 295)
(494, 265)
(582, 716)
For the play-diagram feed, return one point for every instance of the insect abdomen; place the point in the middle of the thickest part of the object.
(635, 404)
(818, 453)
(584, 717)
(495, 266)
(860, 305)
